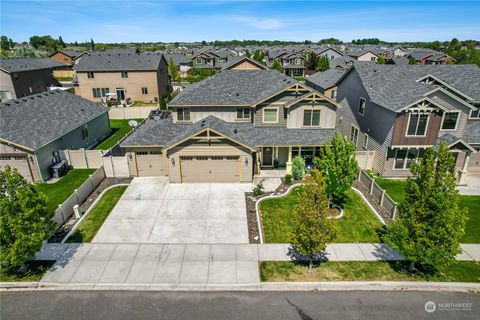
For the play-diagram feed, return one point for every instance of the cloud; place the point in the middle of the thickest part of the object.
(259, 22)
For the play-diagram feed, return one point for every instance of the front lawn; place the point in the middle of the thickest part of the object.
(59, 191)
(274, 271)
(396, 190)
(119, 128)
(359, 224)
(33, 271)
(90, 225)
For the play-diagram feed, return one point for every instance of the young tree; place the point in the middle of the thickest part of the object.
(339, 167)
(312, 228)
(380, 60)
(323, 64)
(430, 223)
(247, 53)
(172, 70)
(4, 44)
(298, 167)
(311, 61)
(25, 220)
(62, 44)
(92, 44)
(258, 56)
(276, 65)
(412, 60)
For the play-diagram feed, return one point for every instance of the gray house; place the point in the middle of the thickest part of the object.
(33, 129)
(20, 77)
(399, 111)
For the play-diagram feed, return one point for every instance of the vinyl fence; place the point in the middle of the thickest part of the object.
(378, 193)
(123, 113)
(65, 210)
(365, 159)
(84, 159)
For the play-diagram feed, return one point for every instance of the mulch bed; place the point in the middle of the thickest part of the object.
(381, 210)
(61, 232)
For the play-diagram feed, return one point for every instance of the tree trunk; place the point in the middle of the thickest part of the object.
(310, 265)
(411, 268)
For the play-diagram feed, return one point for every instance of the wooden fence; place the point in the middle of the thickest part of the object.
(378, 193)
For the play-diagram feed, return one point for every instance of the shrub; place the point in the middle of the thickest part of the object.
(288, 179)
(259, 189)
(298, 167)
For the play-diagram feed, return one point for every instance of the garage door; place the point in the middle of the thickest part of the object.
(150, 165)
(18, 162)
(210, 169)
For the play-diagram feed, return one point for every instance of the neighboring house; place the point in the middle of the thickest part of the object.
(293, 63)
(428, 56)
(208, 59)
(21, 77)
(399, 111)
(135, 76)
(34, 129)
(330, 53)
(326, 82)
(244, 63)
(182, 62)
(68, 57)
(364, 55)
(342, 62)
(231, 126)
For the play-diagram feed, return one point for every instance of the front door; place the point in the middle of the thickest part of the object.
(120, 94)
(267, 156)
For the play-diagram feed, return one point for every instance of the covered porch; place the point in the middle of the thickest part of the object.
(275, 160)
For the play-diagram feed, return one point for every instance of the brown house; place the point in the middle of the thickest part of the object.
(67, 57)
(103, 76)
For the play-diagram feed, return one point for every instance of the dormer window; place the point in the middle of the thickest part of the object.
(450, 120)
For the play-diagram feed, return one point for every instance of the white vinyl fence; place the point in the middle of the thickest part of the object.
(365, 159)
(65, 210)
(122, 113)
(84, 159)
(378, 193)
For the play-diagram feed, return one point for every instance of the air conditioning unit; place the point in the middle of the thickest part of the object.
(59, 169)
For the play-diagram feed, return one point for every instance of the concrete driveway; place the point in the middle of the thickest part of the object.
(154, 211)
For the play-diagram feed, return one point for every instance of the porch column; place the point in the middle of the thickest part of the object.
(289, 161)
(462, 179)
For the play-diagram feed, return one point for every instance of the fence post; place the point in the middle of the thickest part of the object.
(63, 214)
(382, 197)
(359, 174)
(78, 198)
(394, 211)
(371, 186)
(91, 182)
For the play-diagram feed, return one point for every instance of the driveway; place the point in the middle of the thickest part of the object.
(154, 211)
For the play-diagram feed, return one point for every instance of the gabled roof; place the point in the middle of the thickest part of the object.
(234, 87)
(38, 119)
(70, 53)
(178, 59)
(359, 53)
(104, 61)
(327, 79)
(10, 65)
(238, 60)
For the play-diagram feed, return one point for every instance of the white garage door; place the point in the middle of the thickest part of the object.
(150, 165)
(210, 169)
(20, 163)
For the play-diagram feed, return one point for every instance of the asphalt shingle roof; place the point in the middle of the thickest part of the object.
(38, 119)
(326, 79)
(28, 64)
(234, 87)
(166, 133)
(104, 61)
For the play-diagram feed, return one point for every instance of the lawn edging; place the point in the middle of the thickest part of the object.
(90, 209)
(369, 205)
(257, 210)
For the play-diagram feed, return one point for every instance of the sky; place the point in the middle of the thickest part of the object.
(172, 21)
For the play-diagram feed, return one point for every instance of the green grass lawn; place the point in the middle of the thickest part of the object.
(34, 271)
(90, 225)
(119, 128)
(396, 190)
(460, 271)
(359, 223)
(59, 191)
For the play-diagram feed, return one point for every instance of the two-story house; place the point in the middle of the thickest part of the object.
(231, 126)
(135, 76)
(330, 53)
(207, 58)
(399, 111)
(293, 63)
(68, 57)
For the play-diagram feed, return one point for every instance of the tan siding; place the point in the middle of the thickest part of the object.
(327, 115)
(245, 65)
(27, 167)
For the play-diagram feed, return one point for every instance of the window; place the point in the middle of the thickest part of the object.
(183, 114)
(417, 124)
(217, 158)
(155, 152)
(373, 58)
(232, 158)
(84, 131)
(201, 158)
(5, 96)
(354, 135)
(333, 94)
(5, 157)
(270, 115)
(297, 72)
(90, 75)
(141, 153)
(311, 118)
(405, 158)
(298, 61)
(450, 120)
(361, 107)
(475, 114)
(144, 90)
(365, 141)
(243, 113)
(100, 92)
(124, 74)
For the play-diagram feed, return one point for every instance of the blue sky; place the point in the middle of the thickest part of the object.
(169, 21)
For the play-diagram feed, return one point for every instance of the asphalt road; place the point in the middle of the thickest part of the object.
(115, 305)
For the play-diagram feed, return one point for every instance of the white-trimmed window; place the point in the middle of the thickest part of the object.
(243, 113)
(450, 120)
(361, 106)
(90, 75)
(144, 90)
(365, 141)
(404, 158)
(183, 114)
(5, 95)
(475, 114)
(270, 115)
(84, 131)
(100, 92)
(354, 135)
(124, 74)
(333, 94)
(199, 60)
(311, 117)
(298, 61)
(417, 124)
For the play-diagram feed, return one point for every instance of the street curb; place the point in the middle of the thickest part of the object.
(262, 286)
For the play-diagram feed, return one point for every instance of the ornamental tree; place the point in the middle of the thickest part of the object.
(339, 167)
(430, 223)
(323, 64)
(298, 167)
(25, 220)
(276, 65)
(312, 228)
(172, 70)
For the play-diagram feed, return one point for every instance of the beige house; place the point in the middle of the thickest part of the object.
(102, 76)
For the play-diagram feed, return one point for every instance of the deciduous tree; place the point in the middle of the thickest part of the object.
(276, 65)
(323, 64)
(172, 70)
(298, 167)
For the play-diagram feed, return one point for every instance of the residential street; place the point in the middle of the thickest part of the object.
(141, 305)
